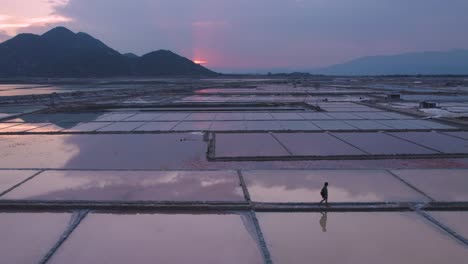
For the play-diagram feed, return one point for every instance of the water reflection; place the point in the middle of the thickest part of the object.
(131, 186)
(159, 238)
(440, 184)
(64, 120)
(27, 237)
(455, 220)
(39, 89)
(130, 151)
(31, 151)
(9, 178)
(348, 186)
(323, 221)
(379, 237)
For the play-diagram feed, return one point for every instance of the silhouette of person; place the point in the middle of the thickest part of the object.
(324, 194)
(323, 221)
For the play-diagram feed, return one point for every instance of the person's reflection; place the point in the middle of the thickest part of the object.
(323, 221)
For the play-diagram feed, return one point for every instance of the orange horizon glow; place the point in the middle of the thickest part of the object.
(200, 61)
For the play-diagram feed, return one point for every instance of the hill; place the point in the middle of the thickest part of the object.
(63, 53)
(429, 63)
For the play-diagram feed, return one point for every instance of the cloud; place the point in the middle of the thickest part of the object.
(38, 14)
(11, 25)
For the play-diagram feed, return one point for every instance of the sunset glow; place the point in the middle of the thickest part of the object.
(31, 17)
(200, 61)
(11, 24)
(244, 36)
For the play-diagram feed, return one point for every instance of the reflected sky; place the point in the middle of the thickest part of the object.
(315, 144)
(156, 151)
(64, 120)
(26, 151)
(131, 186)
(159, 238)
(248, 145)
(441, 185)
(33, 89)
(160, 152)
(358, 238)
(27, 237)
(437, 141)
(9, 178)
(345, 186)
(454, 220)
(380, 143)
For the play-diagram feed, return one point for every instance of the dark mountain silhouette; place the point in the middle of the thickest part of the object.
(131, 56)
(163, 62)
(62, 53)
(443, 62)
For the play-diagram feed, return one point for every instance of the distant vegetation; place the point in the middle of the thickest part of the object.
(62, 53)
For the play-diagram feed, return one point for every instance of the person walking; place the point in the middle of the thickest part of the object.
(324, 194)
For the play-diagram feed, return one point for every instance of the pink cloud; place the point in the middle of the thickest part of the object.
(15, 18)
(11, 25)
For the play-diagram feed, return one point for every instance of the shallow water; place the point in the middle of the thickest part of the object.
(344, 186)
(27, 237)
(455, 220)
(436, 141)
(248, 145)
(440, 184)
(315, 144)
(102, 151)
(9, 178)
(161, 238)
(385, 238)
(382, 144)
(131, 186)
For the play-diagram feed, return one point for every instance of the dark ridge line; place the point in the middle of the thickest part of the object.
(77, 218)
(170, 131)
(261, 239)
(223, 170)
(412, 142)
(442, 226)
(194, 206)
(410, 185)
(244, 186)
(338, 157)
(348, 143)
(454, 136)
(281, 144)
(20, 183)
(211, 146)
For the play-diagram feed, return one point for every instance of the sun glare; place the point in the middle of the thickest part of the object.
(200, 61)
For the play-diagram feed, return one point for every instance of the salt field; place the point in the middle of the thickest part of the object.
(230, 171)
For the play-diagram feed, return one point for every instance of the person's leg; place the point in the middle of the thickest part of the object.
(326, 202)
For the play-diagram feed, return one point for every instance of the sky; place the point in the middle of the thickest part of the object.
(252, 35)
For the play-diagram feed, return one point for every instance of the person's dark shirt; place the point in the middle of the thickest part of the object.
(324, 192)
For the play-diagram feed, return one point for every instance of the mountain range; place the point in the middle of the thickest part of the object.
(428, 63)
(63, 53)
